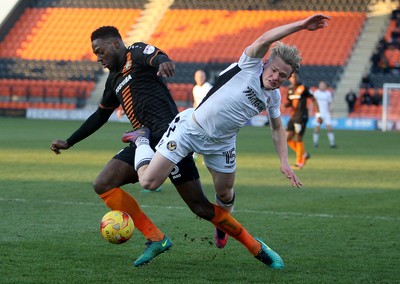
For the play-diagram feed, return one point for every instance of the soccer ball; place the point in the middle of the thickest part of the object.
(116, 227)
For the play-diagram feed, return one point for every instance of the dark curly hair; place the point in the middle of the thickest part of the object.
(105, 32)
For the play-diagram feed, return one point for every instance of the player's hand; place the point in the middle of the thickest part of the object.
(58, 145)
(315, 22)
(320, 120)
(166, 69)
(288, 172)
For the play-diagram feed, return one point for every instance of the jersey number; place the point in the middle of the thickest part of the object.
(172, 126)
(230, 156)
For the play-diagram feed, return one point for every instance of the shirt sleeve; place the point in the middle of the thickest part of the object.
(274, 109)
(148, 54)
(250, 64)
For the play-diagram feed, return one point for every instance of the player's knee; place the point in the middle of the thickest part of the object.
(98, 187)
(226, 196)
(101, 185)
(149, 183)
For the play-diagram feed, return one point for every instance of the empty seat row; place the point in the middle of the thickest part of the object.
(62, 33)
(220, 35)
(29, 91)
(332, 5)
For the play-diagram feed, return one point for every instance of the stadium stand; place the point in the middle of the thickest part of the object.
(48, 47)
(206, 35)
(46, 58)
(388, 51)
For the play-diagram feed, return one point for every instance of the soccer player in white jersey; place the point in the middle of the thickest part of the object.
(242, 91)
(325, 102)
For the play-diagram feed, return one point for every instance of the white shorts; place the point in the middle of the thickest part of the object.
(326, 119)
(185, 136)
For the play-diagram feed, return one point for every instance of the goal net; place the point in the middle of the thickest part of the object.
(391, 107)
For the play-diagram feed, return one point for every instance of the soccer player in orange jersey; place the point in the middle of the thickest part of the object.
(136, 83)
(298, 94)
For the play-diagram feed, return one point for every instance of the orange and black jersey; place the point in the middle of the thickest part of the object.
(142, 94)
(297, 100)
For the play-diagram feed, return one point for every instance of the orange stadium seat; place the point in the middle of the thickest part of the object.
(221, 35)
(181, 92)
(61, 33)
(34, 93)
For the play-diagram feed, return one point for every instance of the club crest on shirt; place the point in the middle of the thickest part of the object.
(171, 146)
(128, 65)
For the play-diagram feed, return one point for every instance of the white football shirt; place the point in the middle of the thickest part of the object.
(236, 97)
(324, 99)
(199, 92)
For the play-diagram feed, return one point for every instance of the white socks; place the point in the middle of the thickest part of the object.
(331, 138)
(226, 206)
(143, 153)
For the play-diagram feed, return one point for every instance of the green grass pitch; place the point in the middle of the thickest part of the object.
(343, 226)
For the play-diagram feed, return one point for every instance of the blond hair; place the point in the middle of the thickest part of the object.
(289, 54)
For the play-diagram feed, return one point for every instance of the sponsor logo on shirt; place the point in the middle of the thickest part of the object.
(123, 83)
(253, 99)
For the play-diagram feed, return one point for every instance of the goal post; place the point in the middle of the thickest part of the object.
(390, 105)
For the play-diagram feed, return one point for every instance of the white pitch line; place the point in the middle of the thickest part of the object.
(278, 213)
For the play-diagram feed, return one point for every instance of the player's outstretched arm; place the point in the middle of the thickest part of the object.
(260, 46)
(91, 125)
(279, 139)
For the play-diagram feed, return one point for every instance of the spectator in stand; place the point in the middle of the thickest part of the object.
(397, 20)
(395, 13)
(375, 59)
(384, 64)
(366, 98)
(393, 56)
(382, 45)
(351, 99)
(395, 37)
(366, 82)
(376, 97)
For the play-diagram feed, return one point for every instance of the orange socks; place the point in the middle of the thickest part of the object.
(300, 150)
(224, 221)
(292, 145)
(117, 199)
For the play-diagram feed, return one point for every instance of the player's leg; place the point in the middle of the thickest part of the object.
(317, 129)
(330, 134)
(154, 168)
(192, 193)
(223, 184)
(290, 136)
(300, 150)
(225, 199)
(154, 174)
(108, 185)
